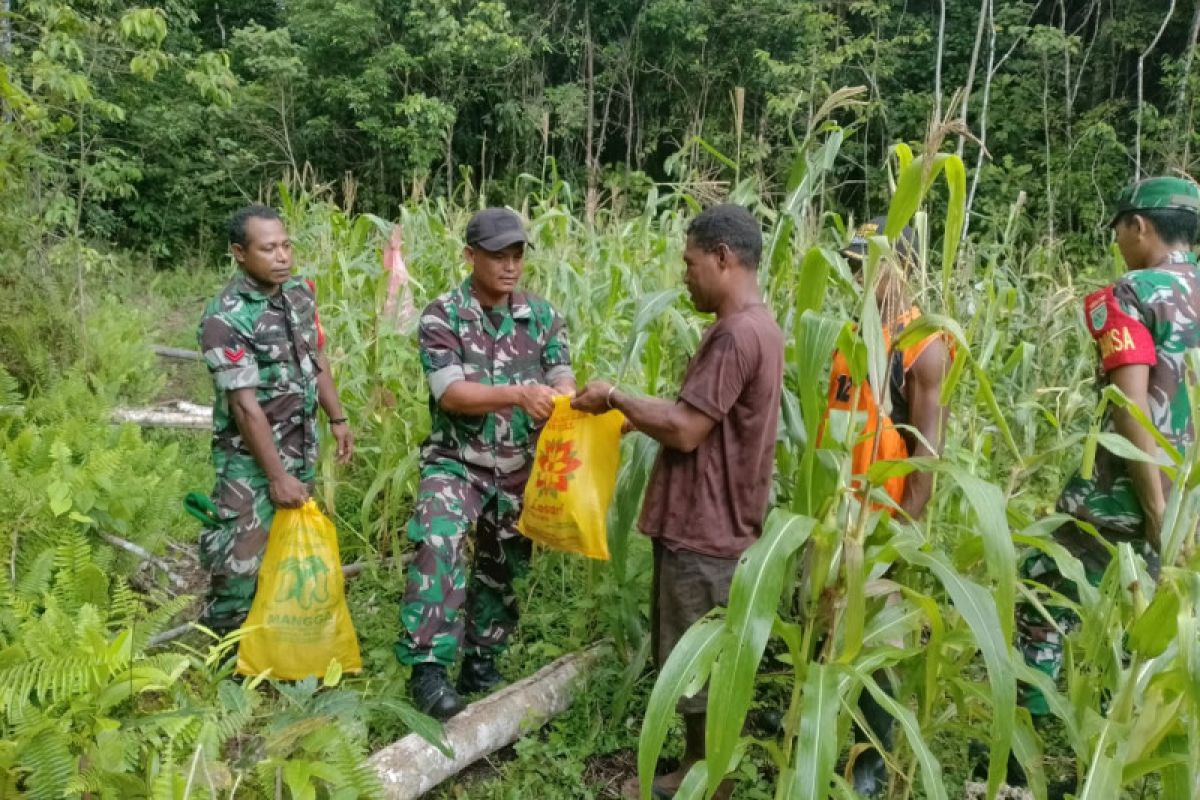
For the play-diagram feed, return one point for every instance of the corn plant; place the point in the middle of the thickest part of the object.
(852, 595)
(843, 600)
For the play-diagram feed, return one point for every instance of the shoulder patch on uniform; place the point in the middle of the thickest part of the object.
(235, 354)
(1096, 305)
(1122, 337)
(1098, 315)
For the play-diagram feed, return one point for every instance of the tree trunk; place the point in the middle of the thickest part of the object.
(629, 134)
(966, 101)
(450, 162)
(179, 414)
(1048, 155)
(983, 112)
(412, 766)
(176, 353)
(1068, 204)
(348, 571)
(973, 790)
(6, 47)
(592, 201)
(1184, 128)
(937, 70)
(1141, 69)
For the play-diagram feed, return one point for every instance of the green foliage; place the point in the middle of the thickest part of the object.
(1019, 423)
(147, 124)
(609, 124)
(86, 706)
(69, 66)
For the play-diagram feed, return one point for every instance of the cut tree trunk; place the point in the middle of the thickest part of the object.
(412, 766)
(978, 791)
(177, 353)
(145, 555)
(176, 414)
(349, 571)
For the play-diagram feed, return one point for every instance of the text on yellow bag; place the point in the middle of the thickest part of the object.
(574, 474)
(299, 621)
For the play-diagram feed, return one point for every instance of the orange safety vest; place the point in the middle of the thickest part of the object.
(854, 404)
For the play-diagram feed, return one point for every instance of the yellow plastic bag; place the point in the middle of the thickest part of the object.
(574, 474)
(299, 621)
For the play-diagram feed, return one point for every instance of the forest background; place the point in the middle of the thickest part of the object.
(131, 131)
(141, 126)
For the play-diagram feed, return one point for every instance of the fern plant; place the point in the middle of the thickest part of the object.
(83, 706)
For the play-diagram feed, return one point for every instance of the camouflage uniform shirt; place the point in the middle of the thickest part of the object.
(1150, 316)
(268, 343)
(522, 343)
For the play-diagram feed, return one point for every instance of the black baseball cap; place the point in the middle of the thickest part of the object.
(494, 229)
(856, 251)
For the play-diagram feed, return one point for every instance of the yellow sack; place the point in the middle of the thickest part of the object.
(299, 621)
(574, 474)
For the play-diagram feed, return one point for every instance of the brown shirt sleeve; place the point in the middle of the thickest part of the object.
(715, 380)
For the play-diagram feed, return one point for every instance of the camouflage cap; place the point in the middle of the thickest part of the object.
(1154, 193)
(856, 251)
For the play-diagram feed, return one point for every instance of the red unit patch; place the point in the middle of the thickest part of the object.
(235, 354)
(1123, 339)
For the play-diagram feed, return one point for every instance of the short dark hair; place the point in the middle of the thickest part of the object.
(1173, 225)
(237, 223)
(732, 226)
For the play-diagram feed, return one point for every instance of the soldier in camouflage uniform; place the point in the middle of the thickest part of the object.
(263, 343)
(494, 356)
(1142, 324)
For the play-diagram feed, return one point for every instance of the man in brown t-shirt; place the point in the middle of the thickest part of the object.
(707, 496)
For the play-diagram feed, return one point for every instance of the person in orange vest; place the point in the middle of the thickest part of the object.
(911, 422)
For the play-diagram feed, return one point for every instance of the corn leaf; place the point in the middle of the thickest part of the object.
(753, 600)
(689, 660)
(817, 744)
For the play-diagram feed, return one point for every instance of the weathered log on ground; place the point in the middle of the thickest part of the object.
(412, 766)
(177, 353)
(357, 568)
(349, 571)
(145, 555)
(974, 790)
(176, 414)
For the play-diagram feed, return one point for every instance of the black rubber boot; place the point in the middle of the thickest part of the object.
(1014, 773)
(479, 675)
(765, 723)
(432, 693)
(870, 770)
(870, 774)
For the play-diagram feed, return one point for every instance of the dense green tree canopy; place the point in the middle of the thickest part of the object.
(146, 124)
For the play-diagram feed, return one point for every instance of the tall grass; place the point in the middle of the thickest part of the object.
(1020, 396)
(813, 591)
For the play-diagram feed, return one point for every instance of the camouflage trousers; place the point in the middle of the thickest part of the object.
(1041, 641)
(233, 552)
(443, 609)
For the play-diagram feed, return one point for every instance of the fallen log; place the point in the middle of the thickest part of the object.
(973, 790)
(177, 353)
(412, 766)
(176, 414)
(348, 571)
(355, 569)
(145, 555)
